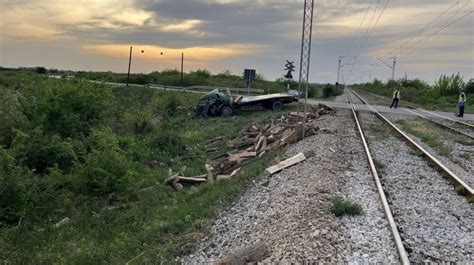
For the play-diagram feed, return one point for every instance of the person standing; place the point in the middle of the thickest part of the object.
(395, 98)
(461, 102)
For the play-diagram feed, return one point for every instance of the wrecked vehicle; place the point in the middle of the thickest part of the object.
(216, 103)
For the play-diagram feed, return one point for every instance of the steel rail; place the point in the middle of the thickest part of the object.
(440, 124)
(447, 118)
(388, 213)
(453, 177)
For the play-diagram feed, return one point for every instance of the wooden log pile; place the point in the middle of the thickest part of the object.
(254, 141)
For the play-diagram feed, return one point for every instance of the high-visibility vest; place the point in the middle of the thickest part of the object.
(462, 97)
(396, 94)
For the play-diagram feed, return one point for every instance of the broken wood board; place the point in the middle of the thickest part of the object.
(289, 162)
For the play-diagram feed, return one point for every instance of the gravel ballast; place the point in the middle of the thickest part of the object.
(289, 211)
(435, 223)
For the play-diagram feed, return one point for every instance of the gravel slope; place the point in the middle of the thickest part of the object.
(290, 210)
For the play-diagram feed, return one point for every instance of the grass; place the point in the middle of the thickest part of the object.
(153, 223)
(466, 156)
(341, 206)
(379, 165)
(416, 152)
(419, 129)
(448, 105)
(380, 132)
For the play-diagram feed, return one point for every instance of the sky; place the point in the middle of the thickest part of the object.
(429, 38)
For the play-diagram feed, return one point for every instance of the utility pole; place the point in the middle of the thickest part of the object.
(129, 64)
(182, 67)
(393, 67)
(305, 58)
(339, 70)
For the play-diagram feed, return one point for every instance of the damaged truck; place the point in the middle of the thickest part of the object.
(216, 103)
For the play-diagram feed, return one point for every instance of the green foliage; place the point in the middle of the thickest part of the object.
(330, 90)
(107, 173)
(70, 109)
(13, 190)
(39, 152)
(442, 95)
(420, 130)
(469, 86)
(448, 85)
(106, 168)
(168, 104)
(341, 206)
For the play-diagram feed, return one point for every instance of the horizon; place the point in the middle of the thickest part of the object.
(232, 35)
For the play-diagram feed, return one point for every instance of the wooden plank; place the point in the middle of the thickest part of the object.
(210, 174)
(191, 180)
(289, 162)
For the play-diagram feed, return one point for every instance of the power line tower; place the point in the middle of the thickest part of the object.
(393, 66)
(305, 52)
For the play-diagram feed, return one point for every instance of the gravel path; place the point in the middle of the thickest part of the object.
(290, 210)
(435, 223)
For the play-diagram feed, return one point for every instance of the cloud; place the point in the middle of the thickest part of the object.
(200, 54)
(230, 34)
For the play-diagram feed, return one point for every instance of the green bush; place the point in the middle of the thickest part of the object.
(70, 109)
(39, 152)
(448, 85)
(329, 91)
(341, 207)
(106, 168)
(14, 197)
(168, 104)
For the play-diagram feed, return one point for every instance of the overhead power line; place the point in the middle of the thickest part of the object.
(440, 29)
(378, 19)
(424, 28)
(452, 20)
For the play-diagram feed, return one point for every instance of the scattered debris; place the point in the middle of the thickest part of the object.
(250, 254)
(254, 141)
(62, 222)
(177, 179)
(289, 162)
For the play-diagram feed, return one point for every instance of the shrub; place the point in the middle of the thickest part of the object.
(341, 207)
(448, 85)
(329, 91)
(70, 109)
(106, 168)
(40, 152)
(168, 104)
(13, 191)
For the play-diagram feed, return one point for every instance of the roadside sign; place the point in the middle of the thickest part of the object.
(249, 74)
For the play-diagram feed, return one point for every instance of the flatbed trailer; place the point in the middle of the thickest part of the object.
(216, 103)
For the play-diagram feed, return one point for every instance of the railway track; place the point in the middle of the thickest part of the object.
(403, 254)
(457, 181)
(456, 126)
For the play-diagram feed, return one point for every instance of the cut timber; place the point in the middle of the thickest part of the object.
(244, 154)
(210, 175)
(253, 253)
(62, 222)
(222, 177)
(191, 180)
(289, 162)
